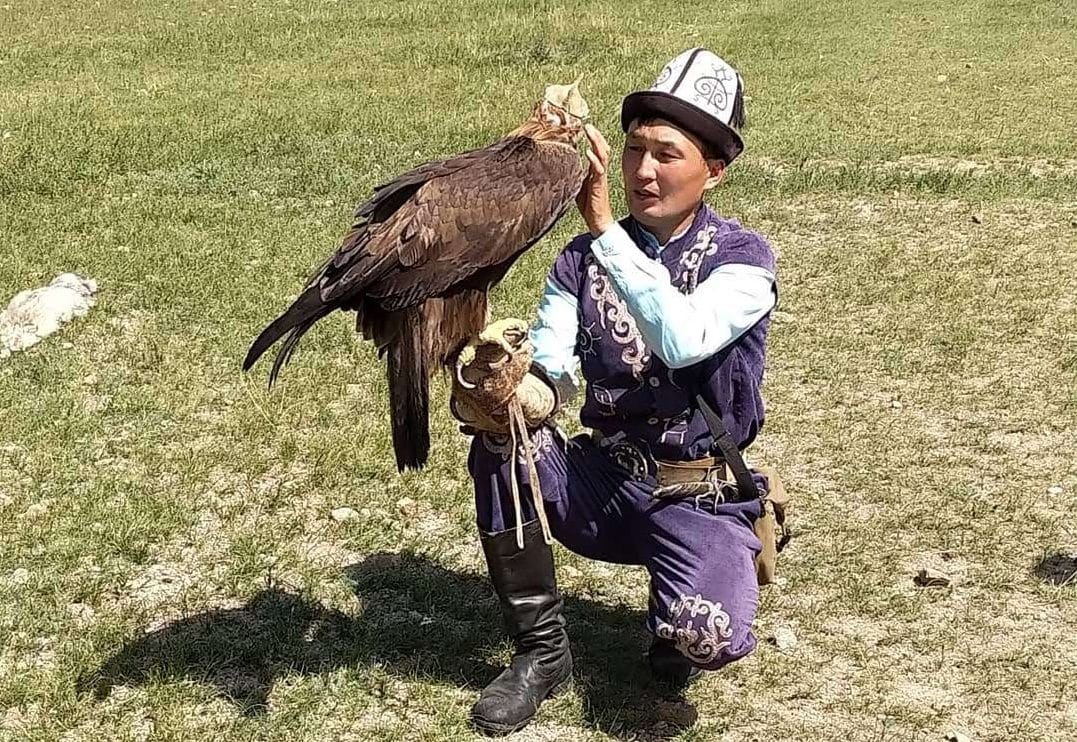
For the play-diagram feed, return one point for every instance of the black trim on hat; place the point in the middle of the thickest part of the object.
(723, 138)
(687, 66)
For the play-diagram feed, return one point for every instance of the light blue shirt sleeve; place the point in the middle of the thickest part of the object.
(554, 338)
(682, 329)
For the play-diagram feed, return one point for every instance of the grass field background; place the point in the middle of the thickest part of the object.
(169, 568)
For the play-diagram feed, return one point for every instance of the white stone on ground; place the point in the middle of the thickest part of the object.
(342, 514)
(784, 639)
(34, 314)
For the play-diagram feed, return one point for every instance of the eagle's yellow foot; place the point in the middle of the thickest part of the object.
(466, 356)
(509, 333)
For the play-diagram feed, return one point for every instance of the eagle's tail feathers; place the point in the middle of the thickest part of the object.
(409, 393)
(304, 312)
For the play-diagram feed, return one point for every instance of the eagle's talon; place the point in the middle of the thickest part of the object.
(459, 371)
(466, 356)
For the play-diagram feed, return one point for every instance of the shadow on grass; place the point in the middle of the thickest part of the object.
(1058, 569)
(418, 620)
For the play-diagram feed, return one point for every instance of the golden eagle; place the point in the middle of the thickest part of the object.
(424, 250)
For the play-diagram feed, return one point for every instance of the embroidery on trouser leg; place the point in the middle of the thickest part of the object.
(699, 628)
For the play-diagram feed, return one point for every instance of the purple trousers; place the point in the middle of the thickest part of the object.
(700, 556)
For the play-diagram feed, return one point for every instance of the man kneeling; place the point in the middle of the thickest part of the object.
(667, 304)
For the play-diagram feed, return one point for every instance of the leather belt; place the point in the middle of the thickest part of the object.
(703, 478)
(725, 477)
(684, 472)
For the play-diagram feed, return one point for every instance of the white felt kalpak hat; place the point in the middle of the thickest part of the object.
(699, 91)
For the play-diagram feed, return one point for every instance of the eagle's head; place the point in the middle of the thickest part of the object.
(561, 113)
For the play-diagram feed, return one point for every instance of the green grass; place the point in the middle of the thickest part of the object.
(185, 581)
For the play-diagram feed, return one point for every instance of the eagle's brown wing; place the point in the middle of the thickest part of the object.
(460, 226)
(388, 197)
(444, 227)
(355, 262)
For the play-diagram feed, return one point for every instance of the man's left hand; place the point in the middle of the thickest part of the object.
(593, 199)
(492, 371)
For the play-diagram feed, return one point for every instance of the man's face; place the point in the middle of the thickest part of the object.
(665, 172)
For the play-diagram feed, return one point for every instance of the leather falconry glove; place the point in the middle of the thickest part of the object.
(493, 370)
(494, 391)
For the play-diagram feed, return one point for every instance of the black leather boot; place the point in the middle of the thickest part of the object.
(669, 667)
(531, 607)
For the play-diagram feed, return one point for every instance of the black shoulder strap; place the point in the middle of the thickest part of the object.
(723, 441)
